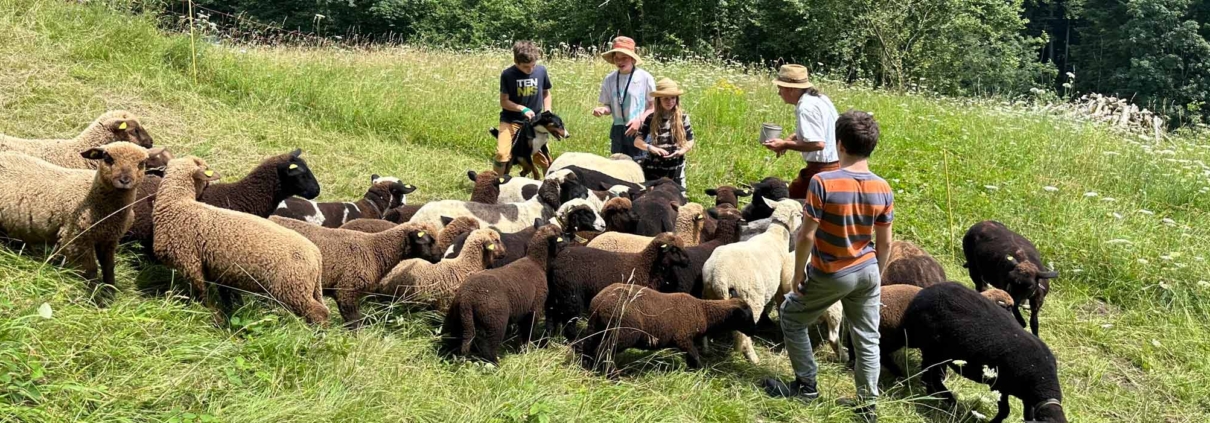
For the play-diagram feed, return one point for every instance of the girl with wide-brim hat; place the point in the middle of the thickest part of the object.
(666, 135)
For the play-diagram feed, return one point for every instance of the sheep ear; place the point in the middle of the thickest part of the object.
(297, 152)
(374, 178)
(742, 192)
(711, 192)
(470, 174)
(504, 179)
(772, 204)
(95, 153)
(1049, 274)
(445, 220)
(713, 212)
(409, 188)
(537, 222)
(122, 125)
(155, 151)
(206, 175)
(676, 206)
(731, 293)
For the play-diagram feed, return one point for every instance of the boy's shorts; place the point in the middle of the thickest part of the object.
(504, 142)
(619, 142)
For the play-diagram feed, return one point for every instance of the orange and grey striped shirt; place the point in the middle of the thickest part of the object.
(847, 206)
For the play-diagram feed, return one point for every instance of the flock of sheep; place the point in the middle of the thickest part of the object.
(591, 242)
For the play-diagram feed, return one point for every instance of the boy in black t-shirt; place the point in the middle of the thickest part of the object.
(524, 93)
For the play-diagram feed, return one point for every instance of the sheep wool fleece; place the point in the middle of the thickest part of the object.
(860, 294)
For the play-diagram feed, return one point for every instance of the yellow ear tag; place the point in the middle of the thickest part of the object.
(502, 180)
(560, 239)
(491, 247)
(409, 186)
(1010, 258)
(209, 173)
(122, 126)
(293, 166)
(421, 233)
(664, 246)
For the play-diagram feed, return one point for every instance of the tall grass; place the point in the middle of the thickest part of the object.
(1127, 317)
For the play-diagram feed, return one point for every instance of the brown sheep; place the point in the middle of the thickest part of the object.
(487, 186)
(354, 262)
(632, 316)
(237, 251)
(434, 284)
(369, 225)
(84, 211)
(110, 127)
(491, 300)
(997, 256)
(726, 196)
(454, 229)
(619, 216)
(911, 265)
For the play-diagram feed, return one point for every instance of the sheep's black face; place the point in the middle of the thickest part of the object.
(297, 178)
(1022, 283)
(399, 194)
(421, 245)
(743, 320)
(674, 256)
(571, 189)
(582, 218)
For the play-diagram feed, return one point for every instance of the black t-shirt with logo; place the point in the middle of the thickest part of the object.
(524, 89)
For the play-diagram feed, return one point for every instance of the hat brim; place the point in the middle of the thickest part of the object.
(669, 93)
(803, 85)
(608, 56)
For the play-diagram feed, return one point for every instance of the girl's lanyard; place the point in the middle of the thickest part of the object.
(622, 94)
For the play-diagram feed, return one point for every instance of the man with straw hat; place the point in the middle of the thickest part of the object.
(815, 132)
(626, 95)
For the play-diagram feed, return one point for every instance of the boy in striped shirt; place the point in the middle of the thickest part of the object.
(846, 233)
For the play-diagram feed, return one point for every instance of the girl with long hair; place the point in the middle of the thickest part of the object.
(665, 135)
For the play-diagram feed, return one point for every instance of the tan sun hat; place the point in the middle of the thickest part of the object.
(793, 76)
(624, 45)
(666, 88)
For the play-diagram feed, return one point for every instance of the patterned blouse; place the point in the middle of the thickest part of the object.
(662, 138)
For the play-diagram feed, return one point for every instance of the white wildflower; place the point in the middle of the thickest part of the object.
(1168, 221)
(45, 312)
(1090, 194)
(977, 415)
(989, 373)
(991, 187)
(1143, 261)
(959, 363)
(1155, 343)
(1071, 75)
(1050, 188)
(1146, 212)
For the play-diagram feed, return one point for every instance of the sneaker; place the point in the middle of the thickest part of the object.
(866, 412)
(803, 391)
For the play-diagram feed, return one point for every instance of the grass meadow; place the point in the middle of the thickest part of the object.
(1123, 221)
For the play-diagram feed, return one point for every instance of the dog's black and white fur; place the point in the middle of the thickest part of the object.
(532, 138)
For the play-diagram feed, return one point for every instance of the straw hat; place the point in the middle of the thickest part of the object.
(624, 45)
(666, 88)
(793, 76)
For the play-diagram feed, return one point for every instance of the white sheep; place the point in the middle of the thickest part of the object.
(110, 127)
(622, 168)
(754, 268)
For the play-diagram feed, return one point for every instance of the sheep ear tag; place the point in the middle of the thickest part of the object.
(491, 247)
(420, 234)
(293, 166)
(559, 239)
(663, 246)
(502, 180)
(122, 126)
(1009, 258)
(209, 173)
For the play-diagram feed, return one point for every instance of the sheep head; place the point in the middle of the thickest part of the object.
(295, 176)
(383, 192)
(570, 188)
(489, 241)
(157, 161)
(690, 220)
(122, 164)
(787, 212)
(618, 215)
(579, 215)
(670, 251)
(1026, 278)
(421, 243)
(1000, 297)
(124, 126)
(197, 170)
(548, 194)
(727, 195)
(739, 316)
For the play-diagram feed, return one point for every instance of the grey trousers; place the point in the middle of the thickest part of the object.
(860, 294)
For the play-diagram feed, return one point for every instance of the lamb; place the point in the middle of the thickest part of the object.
(953, 324)
(633, 316)
(688, 230)
(574, 216)
(1002, 258)
(236, 250)
(491, 300)
(619, 216)
(354, 262)
(384, 193)
(505, 217)
(434, 284)
(754, 267)
(895, 301)
(258, 193)
(113, 126)
(580, 273)
(910, 265)
(487, 186)
(84, 211)
(623, 168)
(770, 188)
(728, 196)
(451, 238)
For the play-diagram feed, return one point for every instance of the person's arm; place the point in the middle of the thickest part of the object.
(604, 100)
(812, 212)
(882, 245)
(813, 130)
(633, 126)
(546, 100)
(689, 141)
(507, 104)
(640, 141)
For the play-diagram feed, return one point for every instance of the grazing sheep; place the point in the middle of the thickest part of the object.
(235, 250)
(910, 265)
(633, 316)
(770, 188)
(579, 273)
(689, 278)
(487, 186)
(84, 211)
(113, 126)
(754, 267)
(385, 193)
(258, 193)
(369, 225)
(505, 217)
(619, 216)
(953, 324)
(354, 262)
(491, 300)
(997, 256)
(727, 196)
(434, 284)
(621, 168)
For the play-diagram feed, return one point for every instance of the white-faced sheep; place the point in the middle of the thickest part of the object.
(622, 168)
(354, 262)
(113, 126)
(953, 324)
(754, 268)
(505, 217)
(633, 316)
(84, 211)
(997, 256)
(235, 250)
(434, 284)
(385, 193)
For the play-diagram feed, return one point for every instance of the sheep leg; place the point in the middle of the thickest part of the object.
(834, 341)
(493, 337)
(525, 327)
(1035, 307)
(347, 302)
(744, 344)
(934, 376)
(889, 363)
(1004, 408)
(1017, 314)
(105, 255)
(976, 277)
(692, 358)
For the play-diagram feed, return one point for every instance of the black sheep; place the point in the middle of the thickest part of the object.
(1002, 258)
(632, 316)
(491, 300)
(727, 196)
(597, 180)
(657, 208)
(772, 188)
(579, 273)
(516, 245)
(258, 193)
(689, 278)
(949, 322)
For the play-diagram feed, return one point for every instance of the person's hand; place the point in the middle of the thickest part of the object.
(657, 151)
(777, 145)
(677, 153)
(600, 111)
(799, 277)
(529, 114)
(633, 127)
